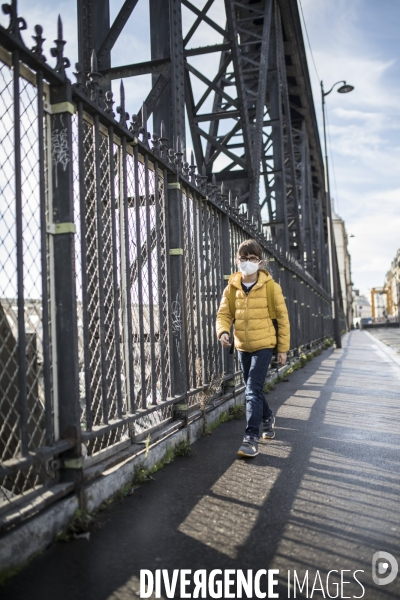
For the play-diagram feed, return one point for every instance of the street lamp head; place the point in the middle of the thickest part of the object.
(345, 88)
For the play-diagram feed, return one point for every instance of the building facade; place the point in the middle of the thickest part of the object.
(392, 287)
(361, 308)
(344, 267)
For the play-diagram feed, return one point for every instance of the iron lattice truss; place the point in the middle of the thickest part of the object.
(254, 123)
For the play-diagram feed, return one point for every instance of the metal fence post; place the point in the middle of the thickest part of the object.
(228, 364)
(62, 228)
(179, 380)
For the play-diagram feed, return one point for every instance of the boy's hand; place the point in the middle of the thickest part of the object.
(224, 339)
(282, 358)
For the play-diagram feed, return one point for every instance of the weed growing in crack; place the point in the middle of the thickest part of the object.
(223, 418)
(183, 448)
(82, 521)
(237, 411)
(208, 394)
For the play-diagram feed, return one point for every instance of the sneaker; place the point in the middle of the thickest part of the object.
(268, 432)
(249, 448)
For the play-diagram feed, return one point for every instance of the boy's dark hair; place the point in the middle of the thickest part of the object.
(250, 247)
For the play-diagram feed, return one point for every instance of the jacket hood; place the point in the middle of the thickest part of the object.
(236, 278)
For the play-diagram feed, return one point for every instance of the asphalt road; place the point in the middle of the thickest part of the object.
(387, 335)
(323, 496)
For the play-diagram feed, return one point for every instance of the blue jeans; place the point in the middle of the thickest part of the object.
(254, 367)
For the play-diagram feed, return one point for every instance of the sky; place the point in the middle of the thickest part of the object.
(356, 41)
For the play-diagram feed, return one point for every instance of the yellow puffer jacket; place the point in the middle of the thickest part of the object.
(254, 329)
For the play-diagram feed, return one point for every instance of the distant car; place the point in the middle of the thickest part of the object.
(367, 321)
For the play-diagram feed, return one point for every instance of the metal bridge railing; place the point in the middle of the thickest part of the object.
(114, 256)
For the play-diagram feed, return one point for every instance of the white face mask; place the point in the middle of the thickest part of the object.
(248, 268)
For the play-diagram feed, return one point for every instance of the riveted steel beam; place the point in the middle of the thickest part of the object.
(144, 68)
(289, 150)
(260, 109)
(207, 49)
(166, 41)
(115, 30)
(203, 17)
(279, 214)
(233, 37)
(212, 84)
(93, 26)
(217, 116)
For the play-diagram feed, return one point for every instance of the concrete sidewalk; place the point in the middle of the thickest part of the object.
(322, 496)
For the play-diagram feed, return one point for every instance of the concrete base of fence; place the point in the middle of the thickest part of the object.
(18, 546)
(32, 537)
(122, 473)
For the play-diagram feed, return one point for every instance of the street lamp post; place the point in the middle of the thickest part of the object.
(344, 89)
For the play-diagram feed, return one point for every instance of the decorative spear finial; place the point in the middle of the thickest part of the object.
(163, 134)
(213, 188)
(93, 60)
(204, 178)
(143, 128)
(222, 197)
(96, 93)
(80, 78)
(38, 48)
(134, 126)
(58, 52)
(185, 169)
(163, 141)
(214, 185)
(170, 155)
(155, 144)
(123, 115)
(178, 153)
(228, 201)
(199, 179)
(192, 169)
(109, 103)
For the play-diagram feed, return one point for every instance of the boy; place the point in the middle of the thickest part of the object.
(255, 337)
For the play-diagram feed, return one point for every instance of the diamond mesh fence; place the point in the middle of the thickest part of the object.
(148, 291)
(189, 287)
(236, 236)
(101, 260)
(213, 358)
(97, 252)
(204, 289)
(162, 271)
(21, 302)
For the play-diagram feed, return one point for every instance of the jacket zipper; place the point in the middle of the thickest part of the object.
(247, 316)
(247, 322)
